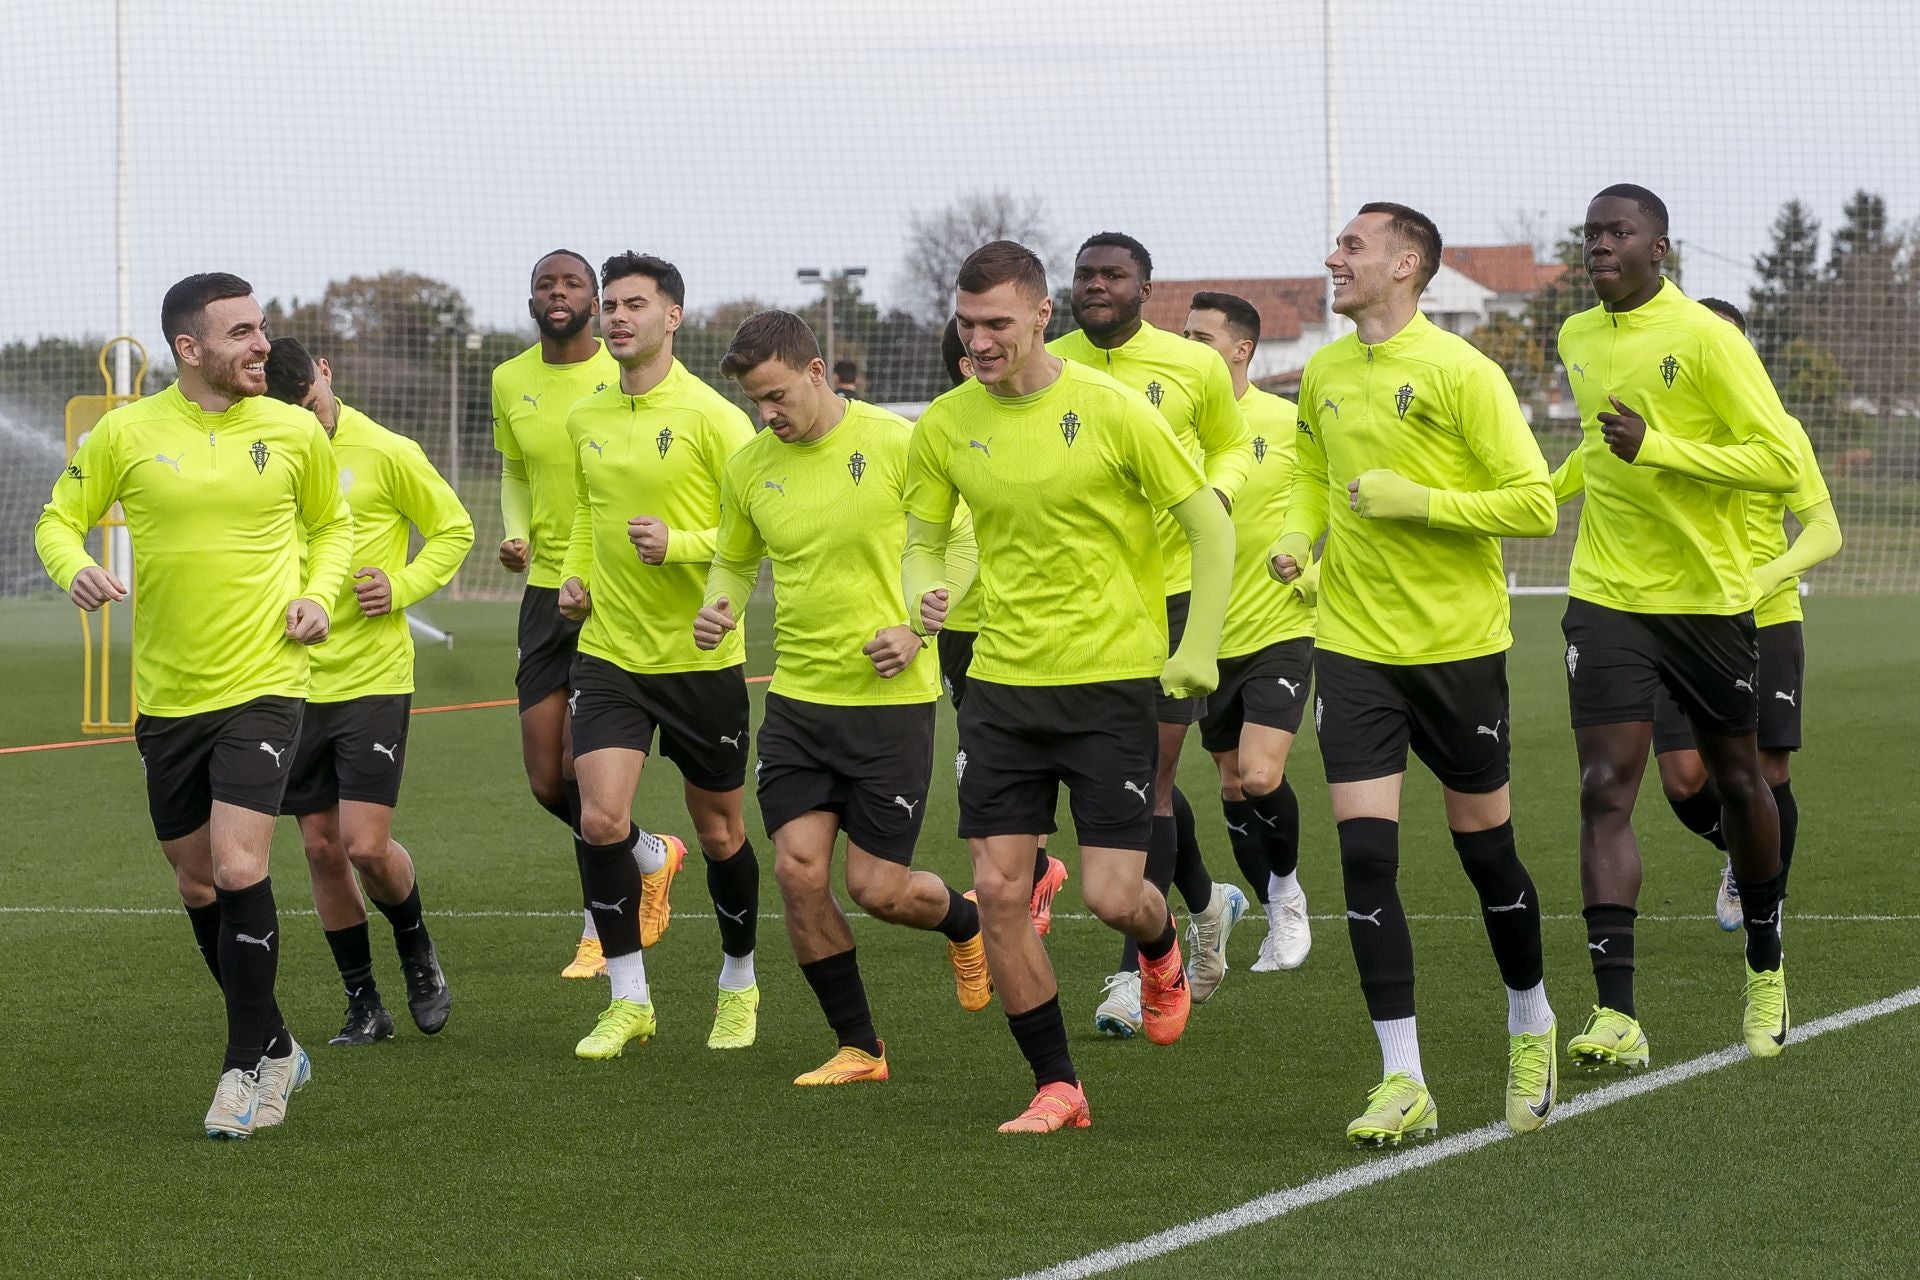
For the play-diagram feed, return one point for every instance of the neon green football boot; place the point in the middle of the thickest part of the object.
(1533, 1079)
(1611, 1039)
(1766, 1022)
(623, 1021)
(736, 1018)
(1398, 1108)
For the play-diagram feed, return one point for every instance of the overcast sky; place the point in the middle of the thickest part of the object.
(749, 138)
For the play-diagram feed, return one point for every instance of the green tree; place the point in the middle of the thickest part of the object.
(1781, 301)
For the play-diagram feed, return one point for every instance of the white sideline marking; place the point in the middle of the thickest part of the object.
(1077, 916)
(1279, 1203)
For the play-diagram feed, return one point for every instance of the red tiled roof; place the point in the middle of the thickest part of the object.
(1503, 268)
(1285, 303)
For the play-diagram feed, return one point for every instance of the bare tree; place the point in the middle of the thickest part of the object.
(938, 242)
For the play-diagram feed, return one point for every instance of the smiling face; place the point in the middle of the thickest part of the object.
(1623, 248)
(792, 403)
(1368, 264)
(1003, 328)
(637, 319)
(562, 302)
(228, 348)
(1107, 290)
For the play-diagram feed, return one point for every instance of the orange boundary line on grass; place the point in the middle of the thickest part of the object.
(418, 711)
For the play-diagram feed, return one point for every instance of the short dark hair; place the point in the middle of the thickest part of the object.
(953, 351)
(1118, 240)
(585, 266)
(1001, 262)
(770, 335)
(1721, 307)
(1410, 226)
(290, 370)
(659, 270)
(1650, 204)
(1241, 316)
(845, 370)
(180, 310)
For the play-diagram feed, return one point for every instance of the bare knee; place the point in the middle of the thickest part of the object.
(880, 895)
(326, 856)
(1606, 792)
(548, 787)
(1261, 777)
(720, 837)
(1112, 902)
(800, 877)
(366, 855)
(602, 825)
(1000, 892)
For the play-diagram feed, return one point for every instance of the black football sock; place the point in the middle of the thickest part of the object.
(1190, 874)
(206, 934)
(409, 925)
(1789, 828)
(1249, 847)
(249, 962)
(1157, 949)
(1039, 864)
(1508, 904)
(1041, 1033)
(1760, 905)
(1610, 947)
(1700, 814)
(1163, 843)
(836, 984)
(613, 892)
(962, 921)
(1278, 813)
(353, 956)
(735, 887)
(1376, 923)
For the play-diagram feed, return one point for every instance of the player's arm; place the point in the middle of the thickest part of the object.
(329, 521)
(734, 568)
(1519, 505)
(1737, 389)
(426, 499)
(962, 556)
(516, 492)
(576, 571)
(81, 495)
(1225, 439)
(1308, 506)
(1819, 538)
(1570, 477)
(929, 498)
(1175, 485)
(727, 434)
(1193, 668)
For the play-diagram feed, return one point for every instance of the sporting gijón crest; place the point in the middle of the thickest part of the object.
(1669, 370)
(664, 441)
(1156, 393)
(856, 465)
(1259, 448)
(1402, 398)
(1070, 426)
(258, 452)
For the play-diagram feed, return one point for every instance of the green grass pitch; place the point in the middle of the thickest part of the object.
(490, 1151)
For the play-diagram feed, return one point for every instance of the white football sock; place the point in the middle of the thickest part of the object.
(649, 853)
(1282, 886)
(736, 972)
(592, 930)
(1528, 1012)
(1399, 1047)
(628, 975)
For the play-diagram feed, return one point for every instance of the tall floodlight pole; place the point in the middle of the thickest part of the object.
(828, 283)
(122, 267)
(1331, 122)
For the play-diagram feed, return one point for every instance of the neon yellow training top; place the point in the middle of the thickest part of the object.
(531, 400)
(828, 513)
(1428, 406)
(1261, 611)
(662, 454)
(389, 485)
(1063, 485)
(1667, 532)
(213, 503)
(1191, 387)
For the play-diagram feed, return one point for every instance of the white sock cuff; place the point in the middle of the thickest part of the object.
(1400, 1047)
(649, 852)
(628, 976)
(1528, 1012)
(736, 972)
